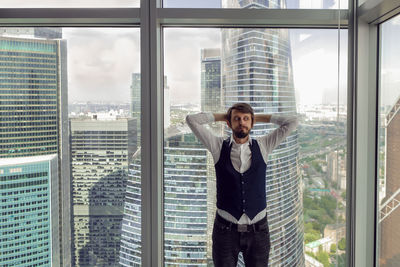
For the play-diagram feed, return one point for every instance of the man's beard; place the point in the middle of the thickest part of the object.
(240, 133)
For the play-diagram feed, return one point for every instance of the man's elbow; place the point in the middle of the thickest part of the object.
(189, 119)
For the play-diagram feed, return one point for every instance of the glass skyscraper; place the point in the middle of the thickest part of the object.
(100, 152)
(29, 211)
(211, 100)
(131, 248)
(29, 88)
(257, 69)
(185, 199)
(33, 107)
(185, 203)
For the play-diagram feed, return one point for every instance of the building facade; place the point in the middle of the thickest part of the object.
(33, 107)
(211, 100)
(29, 224)
(100, 153)
(389, 207)
(185, 203)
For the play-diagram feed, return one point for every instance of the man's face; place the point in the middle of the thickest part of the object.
(241, 123)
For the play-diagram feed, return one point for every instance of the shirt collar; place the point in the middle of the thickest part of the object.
(232, 140)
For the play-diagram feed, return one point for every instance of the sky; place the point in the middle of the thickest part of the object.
(390, 61)
(100, 63)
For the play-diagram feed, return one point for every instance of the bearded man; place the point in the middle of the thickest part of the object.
(241, 223)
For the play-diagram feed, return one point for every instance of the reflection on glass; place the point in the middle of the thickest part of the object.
(388, 153)
(306, 179)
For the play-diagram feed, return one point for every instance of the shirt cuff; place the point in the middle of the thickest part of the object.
(274, 119)
(210, 117)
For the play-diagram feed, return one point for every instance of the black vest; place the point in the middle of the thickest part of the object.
(239, 193)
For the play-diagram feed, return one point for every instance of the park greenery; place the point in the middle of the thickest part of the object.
(320, 208)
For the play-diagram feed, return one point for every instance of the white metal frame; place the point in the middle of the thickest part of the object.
(151, 18)
(365, 212)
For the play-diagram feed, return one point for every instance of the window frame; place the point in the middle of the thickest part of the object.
(362, 23)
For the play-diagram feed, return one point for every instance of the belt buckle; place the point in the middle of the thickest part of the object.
(242, 228)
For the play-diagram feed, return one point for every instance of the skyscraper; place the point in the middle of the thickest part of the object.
(135, 101)
(211, 101)
(185, 203)
(33, 105)
(389, 208)
(135, 95)
(29, 211)
(211, 80)
(100, 152)
(256, 68)
(29, 90)
(131, 247)
(185, 199)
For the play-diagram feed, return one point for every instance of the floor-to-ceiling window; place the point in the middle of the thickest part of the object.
(95, 91)
(388, 179)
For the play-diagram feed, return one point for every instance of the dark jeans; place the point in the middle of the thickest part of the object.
(228, 241)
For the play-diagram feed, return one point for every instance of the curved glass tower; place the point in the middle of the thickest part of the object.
(185, 200)
(256, 68)
(185, 203)
(130, 248)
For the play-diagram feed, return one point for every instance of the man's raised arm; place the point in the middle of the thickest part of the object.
(287, 124)
(196, 123)
(262, 118)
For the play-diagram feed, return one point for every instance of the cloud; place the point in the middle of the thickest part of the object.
(101, 62)
(182, 65)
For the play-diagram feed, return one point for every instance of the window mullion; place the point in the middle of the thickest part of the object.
(152, 135)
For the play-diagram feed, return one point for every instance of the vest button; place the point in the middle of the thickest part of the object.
(244, 201)
(244, 210)
(242, 182)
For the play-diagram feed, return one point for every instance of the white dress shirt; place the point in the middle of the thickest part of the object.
(241, 153)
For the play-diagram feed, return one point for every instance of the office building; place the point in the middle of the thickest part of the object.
(389, 218)
(135, 101)
(185, 203)
(100, 152)
(211, 80)
(135, 95)
(33, 107)
(29, 210)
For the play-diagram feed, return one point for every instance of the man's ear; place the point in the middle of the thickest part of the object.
(229, 125)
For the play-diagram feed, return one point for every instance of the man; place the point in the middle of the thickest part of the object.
(240, 164)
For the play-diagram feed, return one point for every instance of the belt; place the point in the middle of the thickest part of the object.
(261, 225)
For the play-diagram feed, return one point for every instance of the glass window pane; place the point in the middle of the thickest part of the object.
(68, 3)
(276, 71)
(275, 4)
(388, 153)
(69, 131)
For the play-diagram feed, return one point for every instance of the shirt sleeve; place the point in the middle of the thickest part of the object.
(287, 124)
(212, 142)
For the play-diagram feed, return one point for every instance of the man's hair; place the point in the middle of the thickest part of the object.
(241, 107)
